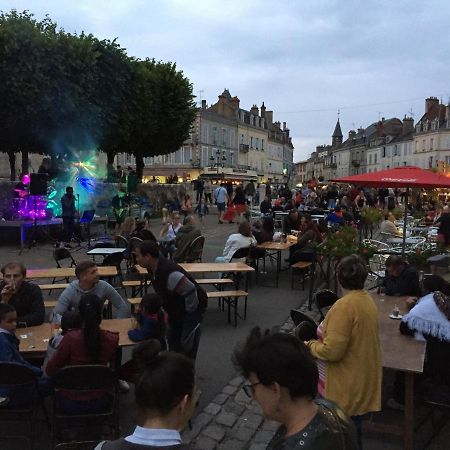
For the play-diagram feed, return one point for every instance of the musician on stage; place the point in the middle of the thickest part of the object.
(120, 203)
(68, 215)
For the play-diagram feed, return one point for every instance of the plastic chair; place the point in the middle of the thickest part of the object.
(298, 317)
(195, 250)
(85, 380)
(121, 242)
(241, 253)
(324, 299)
(20, 380)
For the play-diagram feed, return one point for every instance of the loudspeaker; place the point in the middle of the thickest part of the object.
(38, 184)
(132, 183)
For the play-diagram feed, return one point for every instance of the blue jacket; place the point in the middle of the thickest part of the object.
(148, 328)
(9, 352)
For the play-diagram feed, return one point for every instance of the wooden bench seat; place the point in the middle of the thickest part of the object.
(50, 303)
(215, 281)
(301, 265)
(131, 283)
(231, 299)
(303, 268)
(49, 287)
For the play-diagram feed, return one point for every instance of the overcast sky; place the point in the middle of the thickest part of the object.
(304, 58)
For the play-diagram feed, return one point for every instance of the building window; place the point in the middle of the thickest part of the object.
(242, 139)
(370, 158)
(423, 145)
(214, 136)
(262, 144)
(383, 153)
(375, 157)
(251, 141)
(224, 137)
(431, 143)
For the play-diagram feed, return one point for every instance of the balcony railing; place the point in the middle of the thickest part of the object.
(356, 163)
(331, 166)
(243, 147)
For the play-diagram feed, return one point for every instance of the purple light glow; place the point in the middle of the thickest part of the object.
(31, 208)
(26, 179)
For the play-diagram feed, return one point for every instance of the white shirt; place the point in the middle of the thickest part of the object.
(235, 242)
(151, 436)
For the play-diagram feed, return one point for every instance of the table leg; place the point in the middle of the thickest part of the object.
(409, 411)
(278, 266)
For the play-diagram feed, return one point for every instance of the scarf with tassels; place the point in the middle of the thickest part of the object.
(431, 316)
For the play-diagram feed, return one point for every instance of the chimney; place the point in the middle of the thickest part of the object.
(447, 112)
(254, 110)
(429, 102)
(284, 126)
(351, 134)
(269, 118)
(235, 102)
(408, 125)
(203, 104)
(263, 110)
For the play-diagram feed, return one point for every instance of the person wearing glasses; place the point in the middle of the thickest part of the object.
(282, 378)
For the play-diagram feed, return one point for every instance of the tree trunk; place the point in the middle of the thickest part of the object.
(110, 171)
(12, 164)
(25, 161)
(139, 167)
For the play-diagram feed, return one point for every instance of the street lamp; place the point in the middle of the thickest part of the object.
(218, 160)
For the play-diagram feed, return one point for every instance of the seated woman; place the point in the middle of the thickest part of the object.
(243, 238)
(309, 234)
(429, 319)
(127, 228)
(166, 397)
(169, 233)
(347, 335)
(282, 378)
(87, 345)
(264, 230)
(142, 231)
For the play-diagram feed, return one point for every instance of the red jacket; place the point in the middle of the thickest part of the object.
(72, 352)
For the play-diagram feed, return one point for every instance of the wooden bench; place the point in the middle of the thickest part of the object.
(49, 287)
(214, 281)
(50, 303)
(231, 299)
(303, 268)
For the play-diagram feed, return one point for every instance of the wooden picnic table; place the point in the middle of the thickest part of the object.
(402, 353)
(276, 248)
(208, 267)
(42, 333)
(68, 272)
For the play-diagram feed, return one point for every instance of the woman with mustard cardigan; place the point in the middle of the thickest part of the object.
(348, 347)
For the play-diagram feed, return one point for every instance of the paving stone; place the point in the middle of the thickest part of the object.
(215, 432)
(254, 408)
(251, 420)
(258, 446)
(220, 399)
(212, 408)
(232, 444)
(236, 381)
(263, 436)
(226, 418)
(198, 423)
(233, 407)
(242, 397)
(242, 433)
(230, 390)
(204, 443)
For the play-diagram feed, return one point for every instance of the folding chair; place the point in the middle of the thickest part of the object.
(324, 299)
(23, 401)
(195, 250)
(95, 381)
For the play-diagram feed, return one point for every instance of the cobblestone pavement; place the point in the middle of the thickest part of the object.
(232, 421)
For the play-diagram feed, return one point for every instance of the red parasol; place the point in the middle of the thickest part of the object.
(399, 177)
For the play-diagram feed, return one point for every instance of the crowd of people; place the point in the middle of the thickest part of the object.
(319, 386)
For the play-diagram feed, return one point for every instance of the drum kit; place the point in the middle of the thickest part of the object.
(27, 206)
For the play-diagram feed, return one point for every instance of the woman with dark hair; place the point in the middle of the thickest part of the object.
(87, 345)
(142, 231)
(264, 230)
(239, 201)
(235, 241)
(348, 347)
(165, 395)
(283, 379)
